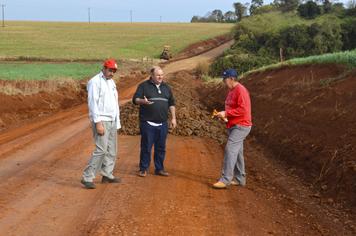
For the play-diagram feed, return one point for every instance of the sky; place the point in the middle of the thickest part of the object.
(112, 10)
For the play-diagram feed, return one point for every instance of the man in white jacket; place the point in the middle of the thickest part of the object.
(104, 114)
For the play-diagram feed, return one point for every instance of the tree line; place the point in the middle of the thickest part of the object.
(306, 9)
(257, 45)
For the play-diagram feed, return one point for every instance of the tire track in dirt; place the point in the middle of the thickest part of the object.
(37, 162)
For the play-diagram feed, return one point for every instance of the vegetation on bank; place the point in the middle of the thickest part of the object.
(347, 58)
(274, 33)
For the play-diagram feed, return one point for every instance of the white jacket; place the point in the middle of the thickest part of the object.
(103, 100)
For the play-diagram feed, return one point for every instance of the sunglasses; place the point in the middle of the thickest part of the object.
(112, 70)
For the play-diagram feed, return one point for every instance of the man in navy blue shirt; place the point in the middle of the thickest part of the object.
(155, 99)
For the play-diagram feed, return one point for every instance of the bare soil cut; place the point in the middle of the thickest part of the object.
(305, 115)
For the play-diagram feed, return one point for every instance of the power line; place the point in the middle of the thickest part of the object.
(89, 20)
(3, 14)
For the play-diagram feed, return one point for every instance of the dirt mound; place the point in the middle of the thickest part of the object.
(22, 101)
(201, 47)
(193, 118)
(305, 115)
(36, 99)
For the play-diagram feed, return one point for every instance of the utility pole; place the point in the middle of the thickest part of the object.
(131, 16)
(3, 14)
(160, 19)
(89, 15)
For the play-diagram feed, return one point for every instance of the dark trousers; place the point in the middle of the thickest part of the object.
(153, 135)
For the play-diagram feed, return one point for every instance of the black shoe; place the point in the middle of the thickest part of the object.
(162, 173)
(106, 180)
(142, 173)
(88, 185)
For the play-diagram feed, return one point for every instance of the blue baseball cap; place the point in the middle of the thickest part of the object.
(230, 73)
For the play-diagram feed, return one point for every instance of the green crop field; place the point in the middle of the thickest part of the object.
(95, 41)
(47, 71)
(55, 40)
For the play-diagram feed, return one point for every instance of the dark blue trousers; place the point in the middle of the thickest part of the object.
(153, 136)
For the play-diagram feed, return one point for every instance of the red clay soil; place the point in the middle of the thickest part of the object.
(306, 116)
(48, 98)
(202, 46)
(41, 164)
(196, 100)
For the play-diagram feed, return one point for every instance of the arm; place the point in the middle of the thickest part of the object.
(172, 109)
(118, 122)
(174, 120)
(139, 98)
(93, 100)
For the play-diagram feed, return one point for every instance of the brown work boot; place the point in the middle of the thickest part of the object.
(88, 185)
(219, 185)
(106, 180)
(162, 173)
(142, 173)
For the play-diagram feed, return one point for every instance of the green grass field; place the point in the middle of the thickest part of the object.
(101, 40)
(95, 41)
(46, 71)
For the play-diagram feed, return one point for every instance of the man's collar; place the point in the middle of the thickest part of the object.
(102, 75)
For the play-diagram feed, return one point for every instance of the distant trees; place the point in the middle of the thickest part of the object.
(240, 10)
(309, 10)
(257, 45)
(216, 16)
(230, 17)
(351, 8)
(288, 5)
(265, 9)
(349, 34)
(255, 4)
(327, 6)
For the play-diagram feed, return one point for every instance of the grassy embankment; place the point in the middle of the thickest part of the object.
(347, 58)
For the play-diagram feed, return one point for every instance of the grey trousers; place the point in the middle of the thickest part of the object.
(104, 155)
(234, 164)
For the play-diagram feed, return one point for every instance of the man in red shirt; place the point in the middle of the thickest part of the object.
(237, 114)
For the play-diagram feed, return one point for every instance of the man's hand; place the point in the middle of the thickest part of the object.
(100, 128)
(145, 101)
(222, 115)
(173, 124)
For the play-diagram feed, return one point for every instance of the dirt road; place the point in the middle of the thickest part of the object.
(41, 164)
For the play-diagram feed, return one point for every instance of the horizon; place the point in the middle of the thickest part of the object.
(127, 11)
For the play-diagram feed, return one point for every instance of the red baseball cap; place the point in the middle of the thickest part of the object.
(110, 64)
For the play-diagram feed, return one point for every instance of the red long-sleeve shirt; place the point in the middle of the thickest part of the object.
(238, 107)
